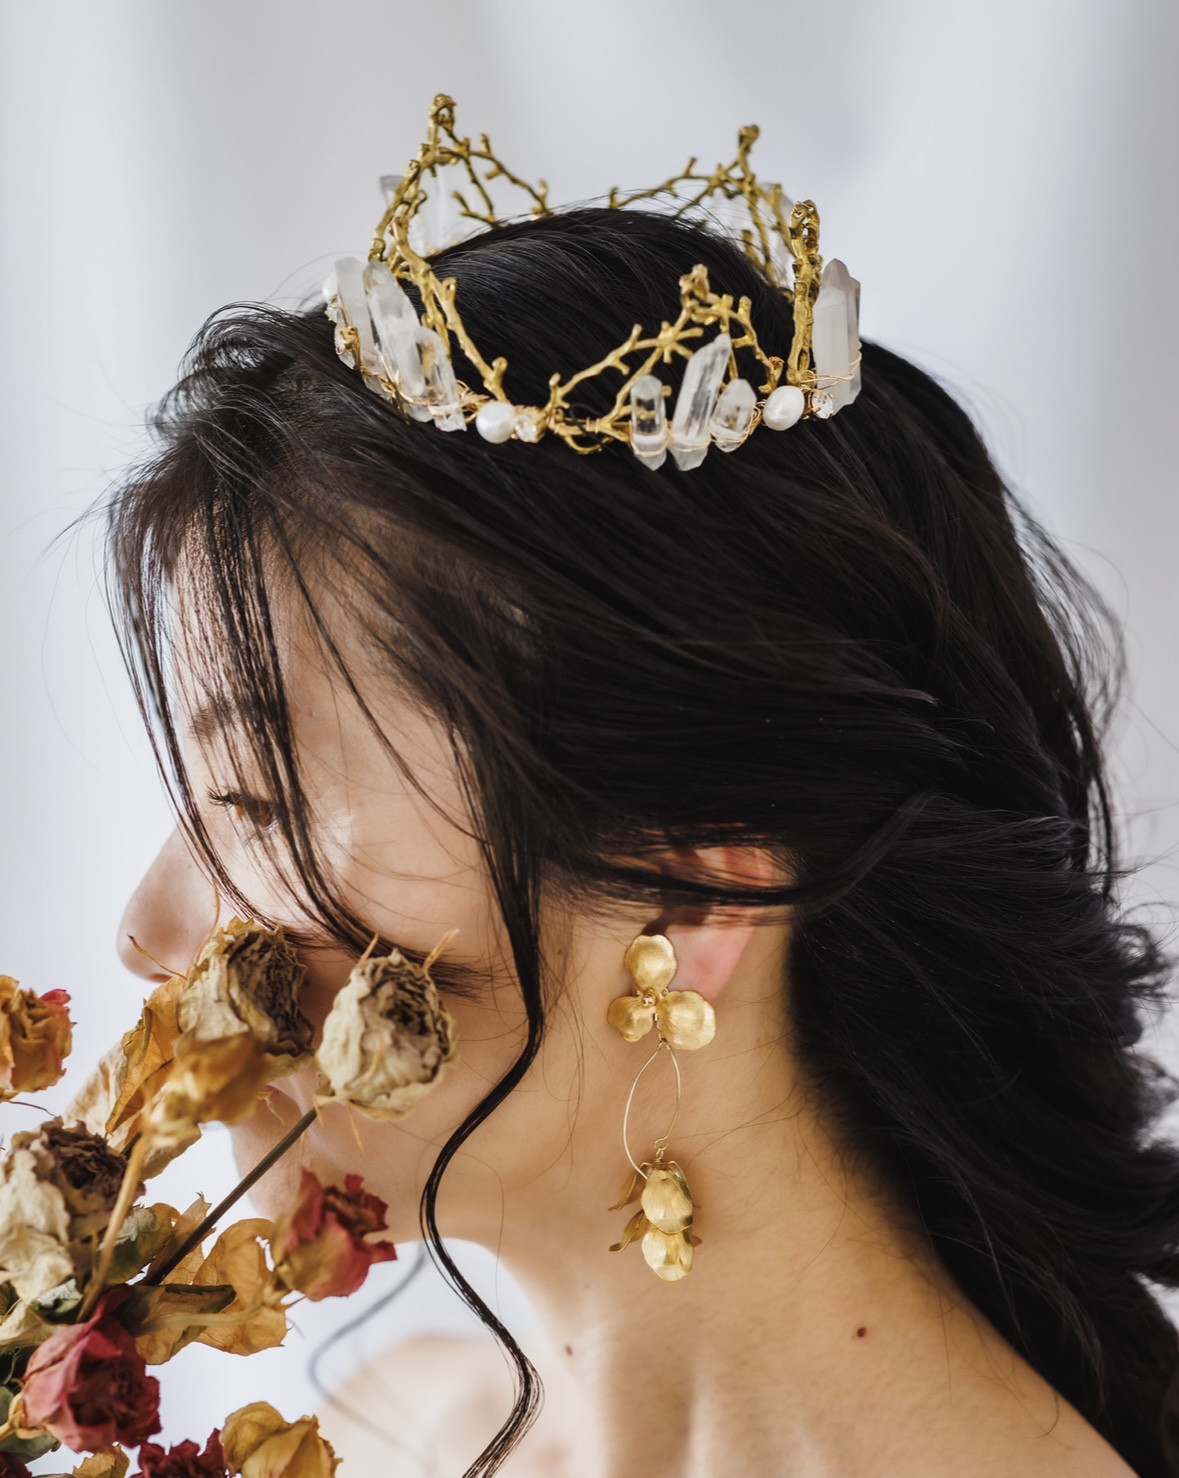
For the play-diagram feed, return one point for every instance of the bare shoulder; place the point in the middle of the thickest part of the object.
(430, 1404)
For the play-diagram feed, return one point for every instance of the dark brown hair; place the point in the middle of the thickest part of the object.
(847, 642)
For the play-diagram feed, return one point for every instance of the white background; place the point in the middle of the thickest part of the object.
(999, 176)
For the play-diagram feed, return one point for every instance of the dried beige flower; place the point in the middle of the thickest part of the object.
(387, 1038)
(248, 978)
(88, 1175)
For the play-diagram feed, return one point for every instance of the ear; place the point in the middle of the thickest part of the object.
(709, 945)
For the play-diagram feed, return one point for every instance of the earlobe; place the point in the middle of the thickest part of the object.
(709, 945)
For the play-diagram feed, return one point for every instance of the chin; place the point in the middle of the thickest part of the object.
(336, 1145)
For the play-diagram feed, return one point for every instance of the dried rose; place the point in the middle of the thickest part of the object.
(88, 1384)
(258, 1443)
(186, 1460)
(387, 1037)
(218, 1079)
(36, 1035)
(248, 978)
(12, 1467)
(319, 1245)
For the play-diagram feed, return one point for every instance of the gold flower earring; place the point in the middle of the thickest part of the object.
(684, 1021)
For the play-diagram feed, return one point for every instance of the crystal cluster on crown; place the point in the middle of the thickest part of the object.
(405, 355)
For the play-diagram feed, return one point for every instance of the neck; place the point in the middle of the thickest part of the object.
(812, 1337)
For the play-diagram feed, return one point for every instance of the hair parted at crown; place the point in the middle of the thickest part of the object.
(405, 356)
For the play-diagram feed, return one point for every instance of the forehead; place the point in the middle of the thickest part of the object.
(225, 687)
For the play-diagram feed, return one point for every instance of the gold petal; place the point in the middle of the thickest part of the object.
(687, 1020)
(668, 1255)
(630, 1190)
(650, 961)
(667, 1201)
(635, 1227)
(630, 1018)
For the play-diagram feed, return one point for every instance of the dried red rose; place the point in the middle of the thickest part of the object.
(36, 1035)
(12, 1467)
(88, 1384)
(319, 1246)
(185, 1460)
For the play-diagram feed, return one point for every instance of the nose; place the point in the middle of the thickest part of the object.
(169, 916)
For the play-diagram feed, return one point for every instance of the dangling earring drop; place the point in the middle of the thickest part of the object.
(684, 1021)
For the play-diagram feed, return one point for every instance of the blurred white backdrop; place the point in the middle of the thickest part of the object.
(1000, 177)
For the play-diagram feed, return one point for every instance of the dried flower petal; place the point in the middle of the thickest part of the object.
(258, 1443)
(319, 1246)
(103, 1465)
(387, 1037)
(12, 1467)
(88, 1384)
(248, 978)
(185, 1460)
(36, 1035)
(34, 1228)
(218, 1079)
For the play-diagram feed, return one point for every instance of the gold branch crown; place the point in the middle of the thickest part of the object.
(406, 356)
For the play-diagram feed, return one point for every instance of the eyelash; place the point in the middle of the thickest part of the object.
(247, 808)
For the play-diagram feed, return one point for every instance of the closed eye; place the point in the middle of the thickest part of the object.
(260, 814)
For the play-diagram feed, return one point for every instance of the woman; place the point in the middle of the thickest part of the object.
(811, 712)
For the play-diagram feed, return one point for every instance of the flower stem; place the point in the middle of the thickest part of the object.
(127, 1193)
(271, 1157)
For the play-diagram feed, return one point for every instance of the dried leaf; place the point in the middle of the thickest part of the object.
(130, 1075)
(144, 1234)
(256, 1319)
(164, 1318)
(36, 1035)
(258, 1443)
(186, 1223)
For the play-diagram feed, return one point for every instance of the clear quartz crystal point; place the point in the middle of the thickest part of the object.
(696, 401)
(392, 315)
(733, 415)
(648, 421)
(442, 392)
(836, 335)
(349, 286)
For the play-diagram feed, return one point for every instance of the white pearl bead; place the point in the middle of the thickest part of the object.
(496, 421)
(783, 407)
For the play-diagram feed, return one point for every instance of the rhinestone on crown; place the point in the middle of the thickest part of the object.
(405, 356)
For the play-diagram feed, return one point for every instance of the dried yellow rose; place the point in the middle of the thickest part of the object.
(36, 1035)
(258, 1443)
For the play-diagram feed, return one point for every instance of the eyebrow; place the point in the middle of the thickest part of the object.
(212, 717)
